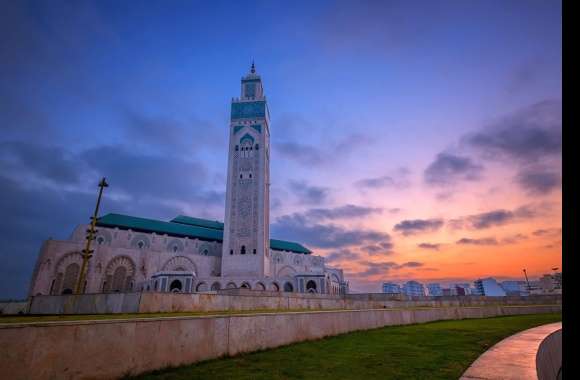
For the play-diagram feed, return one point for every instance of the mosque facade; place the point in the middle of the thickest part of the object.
(187, 254)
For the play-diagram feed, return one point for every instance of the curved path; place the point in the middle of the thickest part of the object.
(512, 358)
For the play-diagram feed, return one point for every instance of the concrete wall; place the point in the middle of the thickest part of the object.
(240, 300)
(549, 357)
(111, 349)
(14, 307)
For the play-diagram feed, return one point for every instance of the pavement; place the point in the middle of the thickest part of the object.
(514, 358)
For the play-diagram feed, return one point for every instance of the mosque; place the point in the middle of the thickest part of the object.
(187, 254)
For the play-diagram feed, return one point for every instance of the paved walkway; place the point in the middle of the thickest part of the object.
(514, 358)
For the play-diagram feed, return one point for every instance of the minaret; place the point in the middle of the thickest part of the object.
(246, 244)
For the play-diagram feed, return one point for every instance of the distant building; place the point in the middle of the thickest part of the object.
(448, 292)
(463, 289)
(434, 289)
(488, 287)
(413, 288)
(391, 288)
(515, 288)
(551, 283)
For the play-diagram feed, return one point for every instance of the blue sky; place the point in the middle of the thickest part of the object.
(140, 92)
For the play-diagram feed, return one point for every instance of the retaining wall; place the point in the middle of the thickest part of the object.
(250, 300)
(113, 348)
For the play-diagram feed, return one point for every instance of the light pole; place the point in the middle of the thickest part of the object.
(87, 252)
(528, 282)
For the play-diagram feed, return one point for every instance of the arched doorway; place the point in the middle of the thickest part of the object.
(201, 287)
(311, 286)
(275, 287)
(231, 285)
(175, 286)
(260, 286)
(245, 285)
(288, 287)
(216, 286)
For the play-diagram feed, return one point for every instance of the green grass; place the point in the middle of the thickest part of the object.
(437, 350)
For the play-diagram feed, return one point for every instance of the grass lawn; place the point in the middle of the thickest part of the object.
(437, 350)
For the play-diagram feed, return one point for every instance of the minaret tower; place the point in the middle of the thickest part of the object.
(246, 244)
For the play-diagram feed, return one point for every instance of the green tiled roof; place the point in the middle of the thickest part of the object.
(159, 227)
(213, 224)
(185, 226)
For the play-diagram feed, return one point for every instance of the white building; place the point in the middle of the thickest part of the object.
(515, 288)
(434, 289)
(188, 254)
(488, 287)
(391, 288)
(413, 288)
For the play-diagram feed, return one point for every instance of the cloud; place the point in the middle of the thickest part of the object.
(449, 168)
(411, 227)
(396, 180)
(431, 246)
(308, 194)
(482, 241)
(296, 227)
(527, 135)
(382, 248)
(538, 181)
(383, 268)
(342, 212)
(50, 163)
(306, 155)
(548, 232)
(514, 239)
(341, 255)
(499, 217)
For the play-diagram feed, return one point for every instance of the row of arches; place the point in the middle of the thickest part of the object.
(260, 286)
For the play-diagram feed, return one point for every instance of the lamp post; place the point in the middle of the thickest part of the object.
(528, 282)
(87, 252)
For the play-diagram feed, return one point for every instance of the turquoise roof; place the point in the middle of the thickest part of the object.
(186, 226)
(214, 224)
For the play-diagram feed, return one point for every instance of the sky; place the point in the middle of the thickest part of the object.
(410, 139)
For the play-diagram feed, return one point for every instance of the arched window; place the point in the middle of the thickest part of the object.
(245, 285)
(119, 278)
(243, 250)
(288, 287)
(237, 148)
(231, 251)
(71, 274)
(216, 286)
(140, 244)
(254, 251)
(257, 146)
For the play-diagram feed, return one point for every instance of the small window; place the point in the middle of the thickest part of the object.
(250, 175)
(241, 176)
(100, 240)
(243, 250)
(254, 251)
(231, 251)
(257, 146)
(140, 244)
(237, 148)
(175, 248)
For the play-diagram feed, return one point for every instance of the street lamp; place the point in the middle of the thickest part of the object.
(87, 252)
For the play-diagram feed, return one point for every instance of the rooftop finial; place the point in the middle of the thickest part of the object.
(253, 69)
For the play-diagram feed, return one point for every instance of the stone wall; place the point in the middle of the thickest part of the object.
(113, 348)
(549, 357)
(240, 299)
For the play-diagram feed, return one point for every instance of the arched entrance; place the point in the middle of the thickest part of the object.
(288, 287)
(245, 285)
(175, 286)
(216, 286)
(311, 286)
